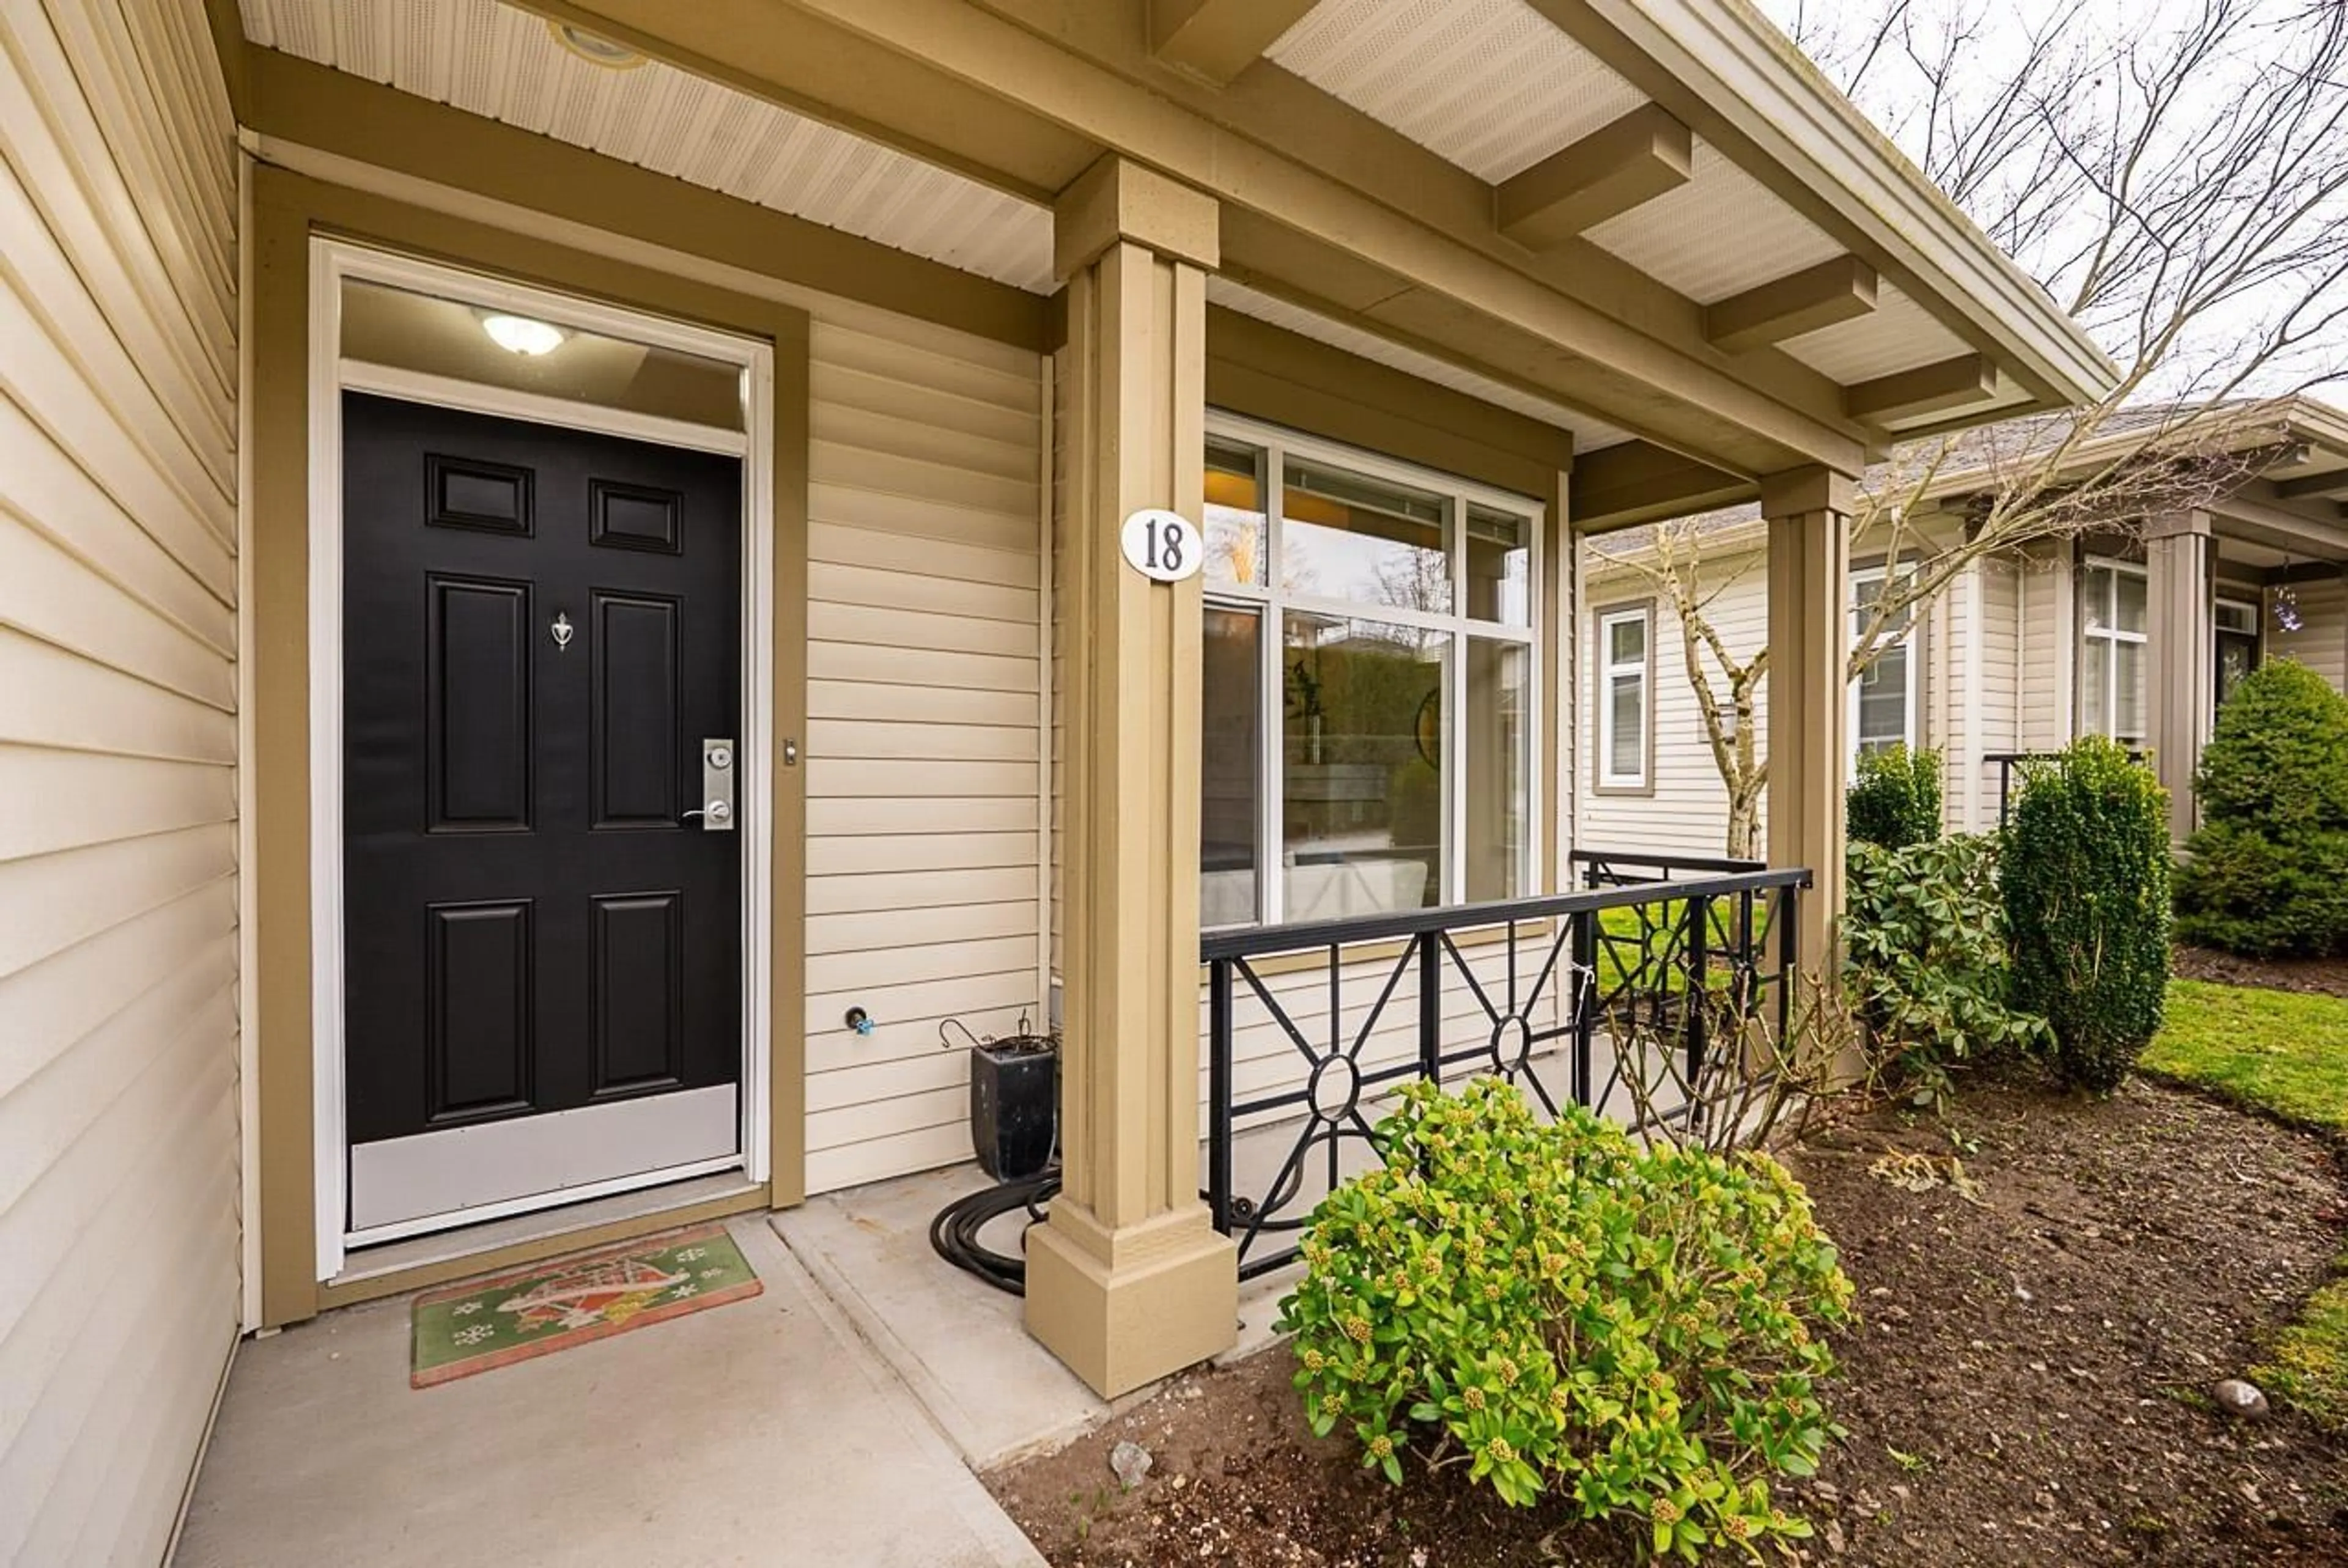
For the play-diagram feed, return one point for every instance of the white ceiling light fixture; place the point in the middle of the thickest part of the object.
(523, 334)
(593, 49)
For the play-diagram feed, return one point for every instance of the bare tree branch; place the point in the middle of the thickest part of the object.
(2175, 172)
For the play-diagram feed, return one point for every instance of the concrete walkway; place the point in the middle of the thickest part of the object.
(764, 1432)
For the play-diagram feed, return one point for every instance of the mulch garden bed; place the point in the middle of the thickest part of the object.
(2326, 976)
(2030, 1385)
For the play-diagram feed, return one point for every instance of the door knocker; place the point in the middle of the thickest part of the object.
(561, 631)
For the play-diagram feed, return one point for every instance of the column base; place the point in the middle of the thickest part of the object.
(1127, 1306)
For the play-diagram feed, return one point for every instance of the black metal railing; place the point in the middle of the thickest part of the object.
(2006, 762)
(1632, 965)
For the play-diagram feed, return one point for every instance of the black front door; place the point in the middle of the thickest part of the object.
(541, 635)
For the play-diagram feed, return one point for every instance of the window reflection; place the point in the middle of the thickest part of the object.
(1231, 705)
(1360, 767)
(1500, 567)
(1235, 513)
(1346, 535)
(1499, 773)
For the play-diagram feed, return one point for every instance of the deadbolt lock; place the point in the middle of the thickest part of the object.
(716, 810)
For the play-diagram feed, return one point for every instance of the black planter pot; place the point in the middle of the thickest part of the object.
(1014, 1104)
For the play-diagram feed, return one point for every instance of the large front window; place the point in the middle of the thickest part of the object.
(1368, 696)
(2112, 642)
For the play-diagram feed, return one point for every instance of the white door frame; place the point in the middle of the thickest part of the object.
(331, 262)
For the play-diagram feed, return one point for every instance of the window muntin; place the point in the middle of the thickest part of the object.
(2113, 657)
(1386, 627)
(1622, 706)
(1882, 695)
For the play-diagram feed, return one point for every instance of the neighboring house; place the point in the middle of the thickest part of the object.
(2137, 633)
(541, 575)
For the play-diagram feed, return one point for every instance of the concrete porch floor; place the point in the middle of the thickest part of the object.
(763, 1432)
(959, 1344)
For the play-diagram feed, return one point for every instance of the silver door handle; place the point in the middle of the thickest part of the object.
(718, 772)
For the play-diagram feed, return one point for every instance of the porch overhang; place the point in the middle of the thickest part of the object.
(1701, 388)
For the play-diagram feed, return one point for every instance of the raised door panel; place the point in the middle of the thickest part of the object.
(482, 1009)
(635, 728)
(639, 981)
(478, 724)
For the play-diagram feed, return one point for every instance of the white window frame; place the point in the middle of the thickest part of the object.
(1907, 640)
(2111, 633)
(1602, 661)
(1272, 604)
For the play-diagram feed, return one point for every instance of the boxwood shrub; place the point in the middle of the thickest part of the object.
(2084, 875)
(1896, 800)
(1636, 1333)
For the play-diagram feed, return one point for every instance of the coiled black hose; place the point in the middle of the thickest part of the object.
(954, 1233)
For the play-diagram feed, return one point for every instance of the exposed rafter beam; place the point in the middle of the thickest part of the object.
(1218, 39)
(1411, 239)
(1841, 290)
(1958, 383)
(2332, 484)
(1639, 482)
(1613, 169)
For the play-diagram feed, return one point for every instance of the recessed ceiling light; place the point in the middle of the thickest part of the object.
(523, 334)
(593, 49)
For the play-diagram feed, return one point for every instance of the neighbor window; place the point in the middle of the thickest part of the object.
(2112, 640)
(1622, 669)
(1882, 695)
(1368, 695)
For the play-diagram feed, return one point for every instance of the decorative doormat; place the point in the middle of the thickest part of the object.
(484, 1324)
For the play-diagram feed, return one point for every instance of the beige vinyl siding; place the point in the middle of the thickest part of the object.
(2322, 641)
(2049, 647)
(1985, 685)
(1687, 813)
(923, 843)
(119, 1189)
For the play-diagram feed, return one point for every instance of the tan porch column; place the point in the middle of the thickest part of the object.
(1809, 511)
(1129, 1282)
(2180, 684)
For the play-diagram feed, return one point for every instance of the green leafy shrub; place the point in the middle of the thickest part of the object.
(2242, 892)
(2267, 874)
(1896, 801)
(1633, 1331)
(1930, 974)
(2084, 875)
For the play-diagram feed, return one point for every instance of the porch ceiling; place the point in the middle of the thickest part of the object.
(494, 60)
(505, 64)
(1493, 87)
(1692, 253)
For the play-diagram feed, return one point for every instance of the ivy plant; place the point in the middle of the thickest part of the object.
(1638, 1333)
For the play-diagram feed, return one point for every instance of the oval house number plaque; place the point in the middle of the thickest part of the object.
(1163, 545)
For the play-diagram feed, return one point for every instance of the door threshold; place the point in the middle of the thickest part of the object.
(522, 1237)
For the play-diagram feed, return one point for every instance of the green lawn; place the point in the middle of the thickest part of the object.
(2287, 1053)
(2280, 1050)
